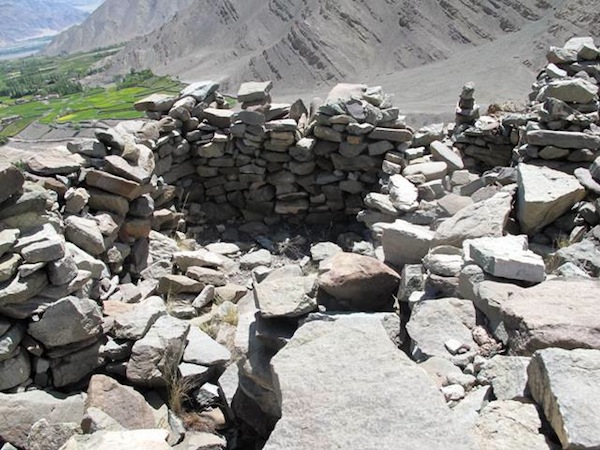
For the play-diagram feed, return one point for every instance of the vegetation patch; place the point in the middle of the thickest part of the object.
(49, 90)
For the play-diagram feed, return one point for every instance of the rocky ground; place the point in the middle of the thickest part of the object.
(199, 280)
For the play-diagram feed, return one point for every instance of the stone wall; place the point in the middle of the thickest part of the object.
(270, 161)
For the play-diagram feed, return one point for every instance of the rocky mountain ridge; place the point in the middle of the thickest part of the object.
(313, 45)
(25, 19)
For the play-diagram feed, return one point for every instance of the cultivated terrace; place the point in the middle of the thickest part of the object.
(323, 276)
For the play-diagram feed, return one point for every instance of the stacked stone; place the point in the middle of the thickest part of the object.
(47, 336)
(257, 163)
(467, 111)
(565, 133)
(76, 226)
(486, 141)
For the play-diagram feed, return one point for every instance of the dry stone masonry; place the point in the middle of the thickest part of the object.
(155, 291)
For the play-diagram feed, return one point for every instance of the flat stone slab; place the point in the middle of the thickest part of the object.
(544, 195)
(483, 219)
(510, 424)
(564, 139)
(507, 257)
(285, 297)
(405, 243)
(434, 322)
(18, 412)
(565, 384)
(557, 313)
(350, 363)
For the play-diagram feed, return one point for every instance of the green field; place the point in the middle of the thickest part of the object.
(42, 76)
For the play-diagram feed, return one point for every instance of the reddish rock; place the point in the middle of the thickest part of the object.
(363, 282)
(123, 403)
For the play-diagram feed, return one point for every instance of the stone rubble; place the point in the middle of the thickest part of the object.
(465, 296)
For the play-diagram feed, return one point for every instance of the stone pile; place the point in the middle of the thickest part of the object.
(269, 160)
(565, 102)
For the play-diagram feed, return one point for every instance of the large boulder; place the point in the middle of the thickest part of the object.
(85, 234)
(364, 283)
(18, 412)
(507, 257)
(544, 195)
(286, 297)
(557, 313)
(120, 440)
(565, 384)
(405, 243)
(119, 401)
(68, 321)
(350, 363)
(156, 356)
(484, 219)
(11, 179)
(434, 322)
(510, 424)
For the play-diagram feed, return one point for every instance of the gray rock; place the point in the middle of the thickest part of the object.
(14, 371)
(21, 289)
(11, 179)
(538, 317)
(119, 401)
(563, 139)
(21, 411)
(405, 243)
(346, 363)
(324, 250)
(46, 436)
(68, 321)
(544, 195)
(586, 179)
(507, 257)
(200, 90)
(85, 261)
(254, 91)
(85, 234)
(510, 424)
(441, 152)
(564, 383)
(44, 251)
(9, 264)
(483, 219)
(120, 440)
(203, 350)
(433, 322)
(285, 297)
(179, 284)
(62, 271)
(573, 90)
(429, 171)
(585, 255)
(158, 352)
(507, 375)
(74, 367)
(8, 238)
(445, 261)
(391, 134)
(403, 194)
(134, 324)
(254, 259)
(207, 276)
(10, 340)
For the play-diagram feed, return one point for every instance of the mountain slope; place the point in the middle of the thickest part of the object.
(25, 19)
(115, 22)
(421, 51)
(312, 43)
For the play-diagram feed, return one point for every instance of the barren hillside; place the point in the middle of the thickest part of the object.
(422, 51)
(25, 19)
(115, 22)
